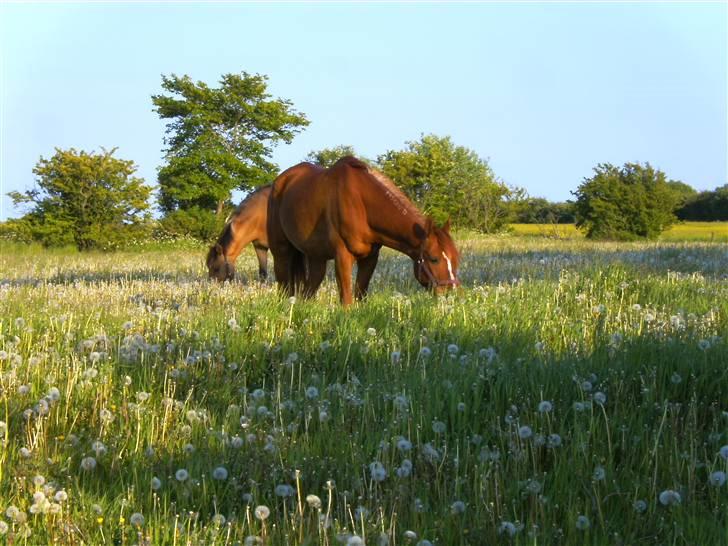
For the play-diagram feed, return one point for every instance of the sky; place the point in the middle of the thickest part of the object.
(542, 91)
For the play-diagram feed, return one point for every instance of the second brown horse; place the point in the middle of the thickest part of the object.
(347, 213)
(248, 224)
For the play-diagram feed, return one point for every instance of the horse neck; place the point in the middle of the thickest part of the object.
(392, 218)
(239, 236)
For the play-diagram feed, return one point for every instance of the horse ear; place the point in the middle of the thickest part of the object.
(446, 226)
(429, 225)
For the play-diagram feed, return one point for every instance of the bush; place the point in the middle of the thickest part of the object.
(89, 200)
(627, 203)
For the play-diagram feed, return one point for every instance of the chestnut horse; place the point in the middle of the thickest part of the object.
(248, 224)
(347, 213)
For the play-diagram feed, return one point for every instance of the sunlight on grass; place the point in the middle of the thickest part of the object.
(686, 231)
(570, 393)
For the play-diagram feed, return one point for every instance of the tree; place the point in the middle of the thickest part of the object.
(328, 156)
(682, 191)
(219, 139)
(449, 181)
(706, 206)
(626, 203)
(537, 210)
(89, 200)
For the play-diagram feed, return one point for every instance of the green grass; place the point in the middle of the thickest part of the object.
(171, 372)
(682, 232)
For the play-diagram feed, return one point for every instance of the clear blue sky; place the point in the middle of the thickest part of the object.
(543, 91)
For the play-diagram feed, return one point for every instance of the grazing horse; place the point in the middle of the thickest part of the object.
(248, 224)
(347, 213)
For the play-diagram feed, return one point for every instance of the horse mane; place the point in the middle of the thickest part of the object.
(394, 192)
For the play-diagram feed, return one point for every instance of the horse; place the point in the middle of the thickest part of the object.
(247, 224)
(347, 213)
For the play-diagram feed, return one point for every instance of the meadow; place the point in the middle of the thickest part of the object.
(570, 393)
(681, 232)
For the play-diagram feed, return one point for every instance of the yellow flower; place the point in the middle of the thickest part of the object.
(100, 520)
(121, 519)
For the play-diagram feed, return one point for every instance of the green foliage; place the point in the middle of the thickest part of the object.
(84, 199)
(196, 222)
(683, 192)
(449, 181)
(627, 203)
(328, 156)
(219, 139)
(537, 210)
(706, 206)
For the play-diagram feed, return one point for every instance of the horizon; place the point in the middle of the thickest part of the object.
(543, 91)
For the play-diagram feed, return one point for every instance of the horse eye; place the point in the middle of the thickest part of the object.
(434, 260)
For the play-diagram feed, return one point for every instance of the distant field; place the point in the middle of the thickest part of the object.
(688, 231)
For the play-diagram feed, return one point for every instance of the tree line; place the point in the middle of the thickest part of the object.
(221, 139)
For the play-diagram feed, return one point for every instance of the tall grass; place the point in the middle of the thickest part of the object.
(570, 393)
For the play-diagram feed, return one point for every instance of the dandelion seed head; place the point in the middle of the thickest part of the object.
(262, 512)
(220, 473)
(545, 406)
(507, 528)
(717, 478)
(438, 427)
(723, 452)
(377, 471)
(284, 490)
(314, 501)
(88, 463)
(582, 523)
(525, 432)
(670, 497)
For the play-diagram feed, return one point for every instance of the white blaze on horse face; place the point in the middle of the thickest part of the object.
(449, 266)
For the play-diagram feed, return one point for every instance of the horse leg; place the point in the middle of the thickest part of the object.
(344, 262)
(262, 253)
(365, 269)
(299, 272)
(316, 274)
(284, 267)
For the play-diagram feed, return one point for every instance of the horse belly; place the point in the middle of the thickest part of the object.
(306, 228)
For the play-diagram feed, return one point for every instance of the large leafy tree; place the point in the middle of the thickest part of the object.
(219, 139)
(623, 203)
(449, 181)
(87, 199)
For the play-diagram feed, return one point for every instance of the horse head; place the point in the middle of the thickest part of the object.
(436, 265)
(218, 266)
